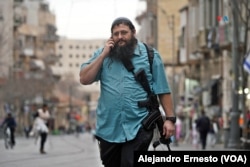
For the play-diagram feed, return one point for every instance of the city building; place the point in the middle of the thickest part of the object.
(160, 28)
(6, 39)
(28, 37)
(202, 67)
(71, 54)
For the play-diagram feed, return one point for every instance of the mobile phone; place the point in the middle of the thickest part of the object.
(111, 48)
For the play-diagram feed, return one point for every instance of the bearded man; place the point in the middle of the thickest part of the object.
(118, 117)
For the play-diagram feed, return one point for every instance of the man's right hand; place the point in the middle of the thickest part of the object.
(108, 46)
(89, 72)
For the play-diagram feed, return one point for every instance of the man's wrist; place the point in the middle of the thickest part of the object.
(172, 119)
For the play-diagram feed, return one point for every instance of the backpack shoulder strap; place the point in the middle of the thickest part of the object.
(150, 52)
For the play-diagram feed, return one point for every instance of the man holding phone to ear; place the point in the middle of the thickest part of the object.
(119, 119)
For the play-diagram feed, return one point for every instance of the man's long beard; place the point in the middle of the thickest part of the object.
(125, 52)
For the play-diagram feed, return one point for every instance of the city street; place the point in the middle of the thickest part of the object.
(63, 151)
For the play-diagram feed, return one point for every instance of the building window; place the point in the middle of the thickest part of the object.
(226, 9)
(182, 38)
(60, 46)
(201, 14)
(77, 56)
(220, 12)
(192, 21)
(70, 64)
(70, 56)
(215, 96)
(208, 13)
(215, 8)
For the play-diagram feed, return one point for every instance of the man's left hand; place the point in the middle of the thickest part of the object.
(168, 129)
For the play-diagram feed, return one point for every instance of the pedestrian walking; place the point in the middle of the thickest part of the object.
(248, 118)
(10, 124)
(195, 136)
(213, 132)
(203, 126)
(178, 127)
(119, 118)
(40, 126)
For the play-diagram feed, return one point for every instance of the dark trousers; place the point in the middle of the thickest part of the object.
(203, 139)
(43, 136)
(12, 136)
(122, 154)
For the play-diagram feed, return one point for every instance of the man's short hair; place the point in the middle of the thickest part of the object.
(122, 20)
(45, 105)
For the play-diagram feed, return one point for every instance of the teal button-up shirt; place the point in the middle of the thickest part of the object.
(118, 117)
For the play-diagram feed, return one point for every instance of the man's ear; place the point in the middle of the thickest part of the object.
(134, 31)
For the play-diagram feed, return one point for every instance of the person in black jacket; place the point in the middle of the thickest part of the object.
(9, 122)
(203, 126)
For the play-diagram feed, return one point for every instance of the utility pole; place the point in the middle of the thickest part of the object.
(234, 134)
(173, 60)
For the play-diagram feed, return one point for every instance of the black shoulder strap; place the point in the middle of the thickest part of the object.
(150, 52)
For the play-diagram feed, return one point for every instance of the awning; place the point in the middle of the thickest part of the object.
(57, 71)
(37, 64)
(26, 29)
(210, 83)
(199, 89)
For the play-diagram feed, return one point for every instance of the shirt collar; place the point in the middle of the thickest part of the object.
(138, 49)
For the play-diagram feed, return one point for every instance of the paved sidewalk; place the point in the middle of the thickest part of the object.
(62, 151)
(67, 151)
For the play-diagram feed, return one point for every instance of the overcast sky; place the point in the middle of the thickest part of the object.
(87, 19)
